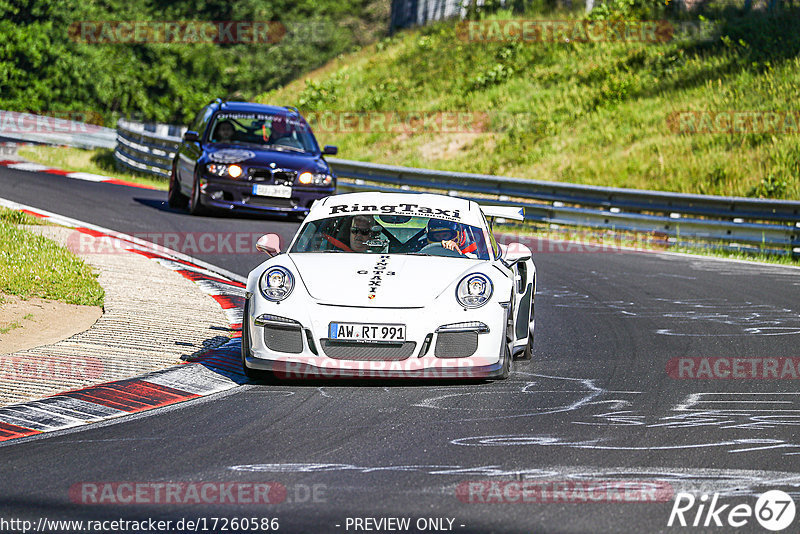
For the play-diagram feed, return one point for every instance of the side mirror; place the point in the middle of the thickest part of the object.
(330, 150)
(191, 137)
(269, 244)
(515, 253)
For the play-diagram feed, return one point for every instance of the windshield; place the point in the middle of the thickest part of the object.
(276, 132)
(393, 234)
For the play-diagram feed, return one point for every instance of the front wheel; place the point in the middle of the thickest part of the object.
(528, 354)
(195, 204)
(175, 198)
(253, 374)
(508, 352)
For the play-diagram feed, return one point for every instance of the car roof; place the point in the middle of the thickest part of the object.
(251, 107)
(421, 204)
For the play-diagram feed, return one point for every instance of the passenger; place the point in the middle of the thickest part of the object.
(450, 236)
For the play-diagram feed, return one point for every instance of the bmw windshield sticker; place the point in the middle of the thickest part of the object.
(264, 117)
(403, 209)
(253, 116)
(231, 155)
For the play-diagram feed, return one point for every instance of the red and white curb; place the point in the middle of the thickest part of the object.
(37, 167)
(211, 372)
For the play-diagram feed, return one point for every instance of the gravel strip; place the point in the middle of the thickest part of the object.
(152, 317)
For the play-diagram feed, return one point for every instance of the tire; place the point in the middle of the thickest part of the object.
(508, 353)
(507, 359)
(253, 374)
(195, 204)
(528, 354)
(175, 198)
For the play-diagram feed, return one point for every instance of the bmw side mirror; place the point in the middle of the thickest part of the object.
(514, 253)
(191, 137)
(330, 150)
(269, 244)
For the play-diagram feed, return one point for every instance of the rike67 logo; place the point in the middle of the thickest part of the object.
(774, 510)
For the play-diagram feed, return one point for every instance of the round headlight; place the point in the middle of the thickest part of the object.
(474, 290)
(305, 178)
(234, 171)
(276, 283)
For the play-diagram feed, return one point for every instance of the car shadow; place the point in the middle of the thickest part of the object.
(225, 359)
(162, 205)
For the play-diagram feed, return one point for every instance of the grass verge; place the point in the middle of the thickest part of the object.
(599, 113)
(34, 266)
(98, 161)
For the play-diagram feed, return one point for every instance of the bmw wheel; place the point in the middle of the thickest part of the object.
(175, 198)
(195, 202)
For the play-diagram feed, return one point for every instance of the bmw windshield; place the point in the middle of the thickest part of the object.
(274, 132)
(392, 234)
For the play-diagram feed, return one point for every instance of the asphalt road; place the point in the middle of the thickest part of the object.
(596, 404)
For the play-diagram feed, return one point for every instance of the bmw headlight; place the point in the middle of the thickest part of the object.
(474, 290)
(318, 178)
(218, 169)
(276, 283)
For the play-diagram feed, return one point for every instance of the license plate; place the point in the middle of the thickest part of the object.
(367, 332)
(279, 191)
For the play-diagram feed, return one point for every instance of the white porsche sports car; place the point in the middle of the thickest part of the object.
(391, 285)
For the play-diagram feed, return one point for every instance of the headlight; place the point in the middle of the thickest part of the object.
(234, 171)
(474, 290)
(276, 283)
(319, 178)
(218, 169)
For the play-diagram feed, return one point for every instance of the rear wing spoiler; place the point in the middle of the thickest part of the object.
(504, 212)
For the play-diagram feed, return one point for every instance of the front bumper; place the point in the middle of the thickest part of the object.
(236, 194)
(313, 354)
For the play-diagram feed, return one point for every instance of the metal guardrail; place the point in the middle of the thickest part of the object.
(772, 225)
(149, 152)
(40, 129)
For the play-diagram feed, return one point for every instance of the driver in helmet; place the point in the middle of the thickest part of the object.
(450, 235)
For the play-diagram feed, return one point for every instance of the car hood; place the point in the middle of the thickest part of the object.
(379, 280)
(253, 156)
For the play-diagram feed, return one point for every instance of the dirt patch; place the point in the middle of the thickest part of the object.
(447, 146)
(25, 324)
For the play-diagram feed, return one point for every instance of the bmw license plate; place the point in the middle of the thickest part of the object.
(367, 332)
(279, 191)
